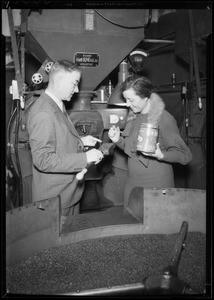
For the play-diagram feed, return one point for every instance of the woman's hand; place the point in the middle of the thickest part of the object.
(89, 140)
(114, 133)
(158, 153)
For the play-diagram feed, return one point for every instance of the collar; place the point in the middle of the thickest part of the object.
(55, 99)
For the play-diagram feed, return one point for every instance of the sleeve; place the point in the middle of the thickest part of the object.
(175, 149)
(42, 139)
(121, 143)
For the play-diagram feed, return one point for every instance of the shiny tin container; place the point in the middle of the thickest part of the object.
(147, 138)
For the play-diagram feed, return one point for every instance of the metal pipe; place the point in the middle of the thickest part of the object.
(149, 19)
(15, 51)
(195, 58)
(157, 48)
(123, 290)
(23, 59)
(159, 41)
(23, 30)
(20, 87)
(170, 84)
(20, 200)
(168, 91)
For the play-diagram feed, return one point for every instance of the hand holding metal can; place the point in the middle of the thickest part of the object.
(147, 138)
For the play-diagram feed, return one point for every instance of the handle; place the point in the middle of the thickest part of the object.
(81, 174)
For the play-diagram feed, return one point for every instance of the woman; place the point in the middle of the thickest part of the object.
(151, 170)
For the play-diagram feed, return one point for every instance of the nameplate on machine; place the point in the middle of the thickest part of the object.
(87, 60)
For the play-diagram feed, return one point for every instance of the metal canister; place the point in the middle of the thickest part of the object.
(147, 138)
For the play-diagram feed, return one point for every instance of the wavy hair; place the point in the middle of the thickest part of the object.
(141, 85)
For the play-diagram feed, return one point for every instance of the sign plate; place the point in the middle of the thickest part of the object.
(87, 60)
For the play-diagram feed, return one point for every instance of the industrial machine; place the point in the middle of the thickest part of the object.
(171, 49)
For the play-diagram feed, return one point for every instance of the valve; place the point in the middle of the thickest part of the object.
(37, 78)
(48, 66)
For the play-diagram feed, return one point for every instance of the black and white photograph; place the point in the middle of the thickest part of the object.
(107, 117)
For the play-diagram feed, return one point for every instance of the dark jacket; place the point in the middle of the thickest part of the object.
(57, 153)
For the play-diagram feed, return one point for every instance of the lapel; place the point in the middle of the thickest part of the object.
(130, 133)
(69, 123)
(63, 116)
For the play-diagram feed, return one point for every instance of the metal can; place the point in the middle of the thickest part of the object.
(147, 138)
